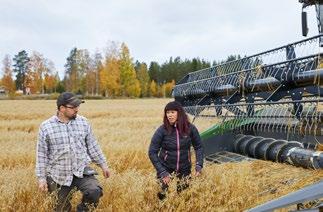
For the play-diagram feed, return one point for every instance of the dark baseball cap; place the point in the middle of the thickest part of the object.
(68, 98)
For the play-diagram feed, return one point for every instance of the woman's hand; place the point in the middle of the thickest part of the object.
(198, 173)
(198, 170)
(166, 179)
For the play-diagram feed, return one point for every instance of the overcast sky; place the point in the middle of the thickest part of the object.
(154, 30)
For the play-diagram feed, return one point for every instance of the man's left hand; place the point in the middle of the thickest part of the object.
(105, 171)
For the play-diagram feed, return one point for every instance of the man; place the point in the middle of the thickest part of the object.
(65, 148)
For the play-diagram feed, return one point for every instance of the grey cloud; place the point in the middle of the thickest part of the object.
(153, 30)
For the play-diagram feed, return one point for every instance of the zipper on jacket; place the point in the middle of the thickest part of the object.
(178, 148)
(189, 155)
(165, 157)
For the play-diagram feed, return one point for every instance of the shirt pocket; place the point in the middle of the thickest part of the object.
(58, 139)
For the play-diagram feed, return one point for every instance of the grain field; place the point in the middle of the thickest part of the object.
(123, 129)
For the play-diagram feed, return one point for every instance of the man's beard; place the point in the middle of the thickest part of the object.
(72, 117)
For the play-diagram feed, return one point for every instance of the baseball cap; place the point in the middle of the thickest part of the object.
(68, 98)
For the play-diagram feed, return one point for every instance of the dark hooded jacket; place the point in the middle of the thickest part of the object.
(171, 153)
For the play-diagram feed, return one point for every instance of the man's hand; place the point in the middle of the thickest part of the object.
(42, 185)
(166, 179)
(105, 171)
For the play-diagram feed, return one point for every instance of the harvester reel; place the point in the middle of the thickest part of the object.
(270, 105)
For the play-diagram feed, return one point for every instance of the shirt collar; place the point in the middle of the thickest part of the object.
(58, 120)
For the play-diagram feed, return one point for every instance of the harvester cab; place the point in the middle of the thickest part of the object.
(269, 104)
(319, 15)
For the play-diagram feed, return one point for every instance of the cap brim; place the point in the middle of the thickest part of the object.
(76, 102)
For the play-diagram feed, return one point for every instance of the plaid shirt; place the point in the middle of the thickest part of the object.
(64, 149)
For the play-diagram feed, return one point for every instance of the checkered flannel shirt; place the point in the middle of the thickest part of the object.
(64, 149)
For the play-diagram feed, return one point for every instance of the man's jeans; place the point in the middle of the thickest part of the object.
(88, 185)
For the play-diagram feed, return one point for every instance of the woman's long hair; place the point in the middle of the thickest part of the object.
(182, 122)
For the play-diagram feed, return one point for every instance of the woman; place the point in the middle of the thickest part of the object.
(170, 146)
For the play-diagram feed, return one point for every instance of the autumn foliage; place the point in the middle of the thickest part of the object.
(114, 74)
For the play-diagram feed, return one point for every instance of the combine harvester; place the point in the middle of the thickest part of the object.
(270, 107)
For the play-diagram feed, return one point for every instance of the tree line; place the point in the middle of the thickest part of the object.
(113, 75)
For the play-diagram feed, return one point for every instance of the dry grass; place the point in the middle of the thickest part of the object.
(124, 129)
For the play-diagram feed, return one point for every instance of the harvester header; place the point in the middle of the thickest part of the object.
(269, 106)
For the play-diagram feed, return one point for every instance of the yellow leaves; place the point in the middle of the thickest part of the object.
(8, 83)
(134, 89)
(117, 77)
(129, 82)
(153, 89)
(110, 77)
(7, 80)
(167, 88)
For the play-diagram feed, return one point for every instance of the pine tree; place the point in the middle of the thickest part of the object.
(143, 77)
(154, 71)
(20, 68)
(71, 70)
